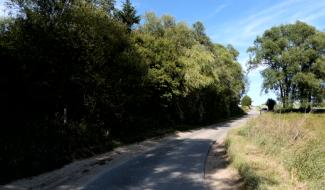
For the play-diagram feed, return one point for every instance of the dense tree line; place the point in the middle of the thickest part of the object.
(294, 57)
(80, 76)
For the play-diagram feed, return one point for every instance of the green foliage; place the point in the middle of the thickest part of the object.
(270, 103)
(294, 58)
(199, 33)
(81, 80)
(105, 5)
(70, 61)
(128, 15)
(246, 101)
(188, 75)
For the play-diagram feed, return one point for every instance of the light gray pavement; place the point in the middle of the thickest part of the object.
(173, 162)
(175, 165)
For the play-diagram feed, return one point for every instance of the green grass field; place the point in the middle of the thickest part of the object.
(280, 151)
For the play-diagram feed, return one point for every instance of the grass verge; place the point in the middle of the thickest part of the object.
(280, 151)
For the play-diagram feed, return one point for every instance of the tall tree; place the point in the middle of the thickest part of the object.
(200, 35)
(128, 15)
(73, 79)
(246, 101)
(293, 55)
(191, 79)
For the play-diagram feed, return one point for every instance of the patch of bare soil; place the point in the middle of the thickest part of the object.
(219, 175)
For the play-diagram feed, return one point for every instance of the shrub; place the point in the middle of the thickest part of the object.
(270, 104)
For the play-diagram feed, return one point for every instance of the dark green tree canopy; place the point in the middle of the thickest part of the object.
(293, 57)
(128, 15)
(270, 103)
(78, 81)
(200, 35)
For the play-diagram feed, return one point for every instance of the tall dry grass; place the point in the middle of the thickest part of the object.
(295, 140)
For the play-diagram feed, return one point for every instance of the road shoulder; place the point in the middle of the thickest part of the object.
(218, 172)
(76, 175)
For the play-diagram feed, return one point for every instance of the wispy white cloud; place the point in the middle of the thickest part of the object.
(254, 24)
(217, 10)
(243, 31)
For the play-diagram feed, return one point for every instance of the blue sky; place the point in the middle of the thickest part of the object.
(237, 22)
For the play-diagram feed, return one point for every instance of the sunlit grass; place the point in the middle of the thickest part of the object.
(294, 142)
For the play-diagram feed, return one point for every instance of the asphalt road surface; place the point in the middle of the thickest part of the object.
(175, 165)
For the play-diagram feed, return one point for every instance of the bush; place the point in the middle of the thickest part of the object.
(246, 101)
(270, 103)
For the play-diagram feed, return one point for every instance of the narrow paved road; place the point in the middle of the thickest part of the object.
(174, 165)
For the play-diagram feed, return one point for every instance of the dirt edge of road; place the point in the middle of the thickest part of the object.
(218, 172)
(76, 175)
